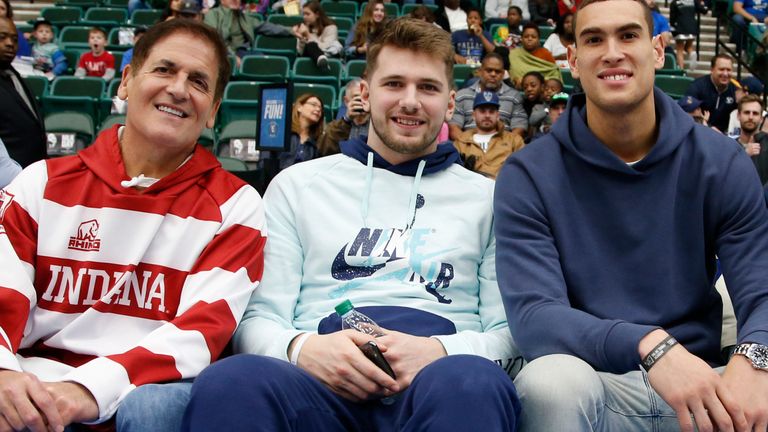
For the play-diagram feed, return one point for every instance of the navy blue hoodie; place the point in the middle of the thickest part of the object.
(593, 254)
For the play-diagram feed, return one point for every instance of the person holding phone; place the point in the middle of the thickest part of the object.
(396, 225)
(352, 124)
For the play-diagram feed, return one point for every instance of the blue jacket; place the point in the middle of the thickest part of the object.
(593, 254)
(719, 105)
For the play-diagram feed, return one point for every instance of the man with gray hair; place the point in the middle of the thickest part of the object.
(352, 124)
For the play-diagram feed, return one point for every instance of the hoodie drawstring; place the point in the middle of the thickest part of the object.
(368, 185)
(415, 193)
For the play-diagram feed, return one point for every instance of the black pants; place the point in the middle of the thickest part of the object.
(313, 51)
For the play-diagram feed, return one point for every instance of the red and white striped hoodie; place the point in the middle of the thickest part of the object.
(113, 288)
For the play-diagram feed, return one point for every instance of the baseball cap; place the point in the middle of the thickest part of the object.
(41, 21)
(752, 85)
(558, 98)
(689, 103)
(189, 7)
(486, 98)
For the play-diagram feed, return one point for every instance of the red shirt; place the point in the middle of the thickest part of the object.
(96, 66)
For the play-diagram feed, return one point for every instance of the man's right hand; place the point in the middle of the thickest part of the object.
(25, 404)
(693, 389)
(337, 362)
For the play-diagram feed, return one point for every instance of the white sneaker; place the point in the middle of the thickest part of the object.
(322, 62)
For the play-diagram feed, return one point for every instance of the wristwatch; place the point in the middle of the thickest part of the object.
(756, 353)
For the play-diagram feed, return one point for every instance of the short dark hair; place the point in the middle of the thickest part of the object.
(473, 9)
(517, 8)
(8, 8)
(532, 25)
(492, 55)
(162, 30)
(536, 74)
(647, 14)
(749, 98)
(723, 56)
(97, 30)
(41, 22)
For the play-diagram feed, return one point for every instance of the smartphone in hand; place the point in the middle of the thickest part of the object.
(372, 351)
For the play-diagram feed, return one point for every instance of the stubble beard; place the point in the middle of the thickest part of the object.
(393, 144)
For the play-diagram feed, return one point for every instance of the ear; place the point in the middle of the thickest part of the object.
(122, 90)
(212, 119)
(451, 105)
(365, 91)
(572, 56)
(658, 51)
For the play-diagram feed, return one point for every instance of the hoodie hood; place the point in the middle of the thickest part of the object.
(103, 158)
(674, 126)
(445, 155)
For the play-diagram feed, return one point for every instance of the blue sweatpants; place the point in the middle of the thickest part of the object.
(255, 393)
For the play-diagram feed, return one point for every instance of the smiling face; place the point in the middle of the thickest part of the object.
(722, 71)
(530, 39)
(408, 105)
(615, 56)
(379, 13)
(311, 111)
(171, 98)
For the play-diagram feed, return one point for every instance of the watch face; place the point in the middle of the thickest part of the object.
(759, 356)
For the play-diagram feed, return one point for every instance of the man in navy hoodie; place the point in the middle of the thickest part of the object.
(607, 231)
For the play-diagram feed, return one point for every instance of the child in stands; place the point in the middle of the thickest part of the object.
(98, 62)
(48, 57)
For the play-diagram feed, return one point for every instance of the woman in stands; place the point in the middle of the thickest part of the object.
(369, 25)
(557, 43)
(530, 56)
(317, 37)
(307, 122)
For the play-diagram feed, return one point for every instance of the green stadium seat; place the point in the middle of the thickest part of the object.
(62, 15)
(240, 102)
(146, 17)
(68, 132)
(80, 94)
(326, 93)
(670, 66)
(392, 9)
(544, 32)
(74, 37)
(286, 20)
(344, 24)
(82, 4)
(106, 18)
(73, 56)
(462, 72)
(207, 139)
(569, 82)
(116, 3)
(106, 98)
(272, 45)
(113, 40)
(264, 68)
(674, 86)
(111, 120)
(306, 71)
(38, 85)
(354, 69)
(408, 8)
(340, 8)
(232, 164)
(237, 140)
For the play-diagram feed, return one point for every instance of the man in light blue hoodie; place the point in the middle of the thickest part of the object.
(399, 227)
(607, 233)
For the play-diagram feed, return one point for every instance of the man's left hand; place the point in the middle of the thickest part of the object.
(407, 354)
(749, 387)
(75, 403)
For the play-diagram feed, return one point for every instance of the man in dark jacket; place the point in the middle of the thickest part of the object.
(716, 91)
(21, 122)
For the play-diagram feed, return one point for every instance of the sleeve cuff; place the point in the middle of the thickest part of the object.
(8, 361)
(107, 381)
(620, 350)
(454, 344)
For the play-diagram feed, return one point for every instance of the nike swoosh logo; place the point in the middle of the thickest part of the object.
(340, 270)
